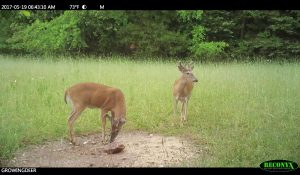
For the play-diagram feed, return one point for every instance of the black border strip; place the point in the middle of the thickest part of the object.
(152, 4)
(153, 171)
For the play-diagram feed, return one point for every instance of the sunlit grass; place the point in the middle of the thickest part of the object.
(243, 113)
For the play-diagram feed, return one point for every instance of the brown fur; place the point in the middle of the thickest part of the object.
(93, 95)
(182, 89)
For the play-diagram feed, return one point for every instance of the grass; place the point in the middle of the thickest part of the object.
(243, 113)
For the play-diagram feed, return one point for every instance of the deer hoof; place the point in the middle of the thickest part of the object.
(74, 143)
(104, 142)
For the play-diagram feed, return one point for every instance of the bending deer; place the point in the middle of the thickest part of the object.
(93, 95)
(182, 89)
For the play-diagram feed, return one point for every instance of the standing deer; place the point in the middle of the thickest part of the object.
(93, 95)
(182, 88)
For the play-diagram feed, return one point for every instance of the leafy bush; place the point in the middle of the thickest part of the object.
(56, 36)
(204, 35)
(208, 50)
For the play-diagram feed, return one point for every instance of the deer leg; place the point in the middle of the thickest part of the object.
(185, 109)
(111, 122)
(103, 117)
(174, 110)
(74, 115)
(70, 125)
(182, 112)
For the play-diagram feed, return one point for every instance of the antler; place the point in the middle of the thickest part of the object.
(180, 66)
(191, 65)
(179, 63)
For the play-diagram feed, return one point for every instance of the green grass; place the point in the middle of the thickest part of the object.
(243, 113)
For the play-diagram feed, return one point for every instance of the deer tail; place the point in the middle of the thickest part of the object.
(66, 93)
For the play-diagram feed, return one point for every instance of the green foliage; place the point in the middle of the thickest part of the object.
(56, 36)
(151, 33)
(6, 19)
(203, 35)
(4, 29)
(201, 49)
(189, 15)
(25, 13)
(271, 34)
(198, 34)
(99, 30)
(208, 50)
(205, 50)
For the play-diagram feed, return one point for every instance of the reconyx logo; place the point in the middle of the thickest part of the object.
(279, 165)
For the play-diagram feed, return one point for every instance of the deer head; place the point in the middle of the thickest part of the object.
(187, 71)
(116, 126)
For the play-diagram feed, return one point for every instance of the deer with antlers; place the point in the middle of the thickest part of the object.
(183, 87)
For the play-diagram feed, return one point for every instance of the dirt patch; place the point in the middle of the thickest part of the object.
(141, 150)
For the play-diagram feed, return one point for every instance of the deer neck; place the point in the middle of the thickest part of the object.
(120, 112)
(184, 81)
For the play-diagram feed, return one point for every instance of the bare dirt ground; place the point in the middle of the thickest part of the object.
(141, 150)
